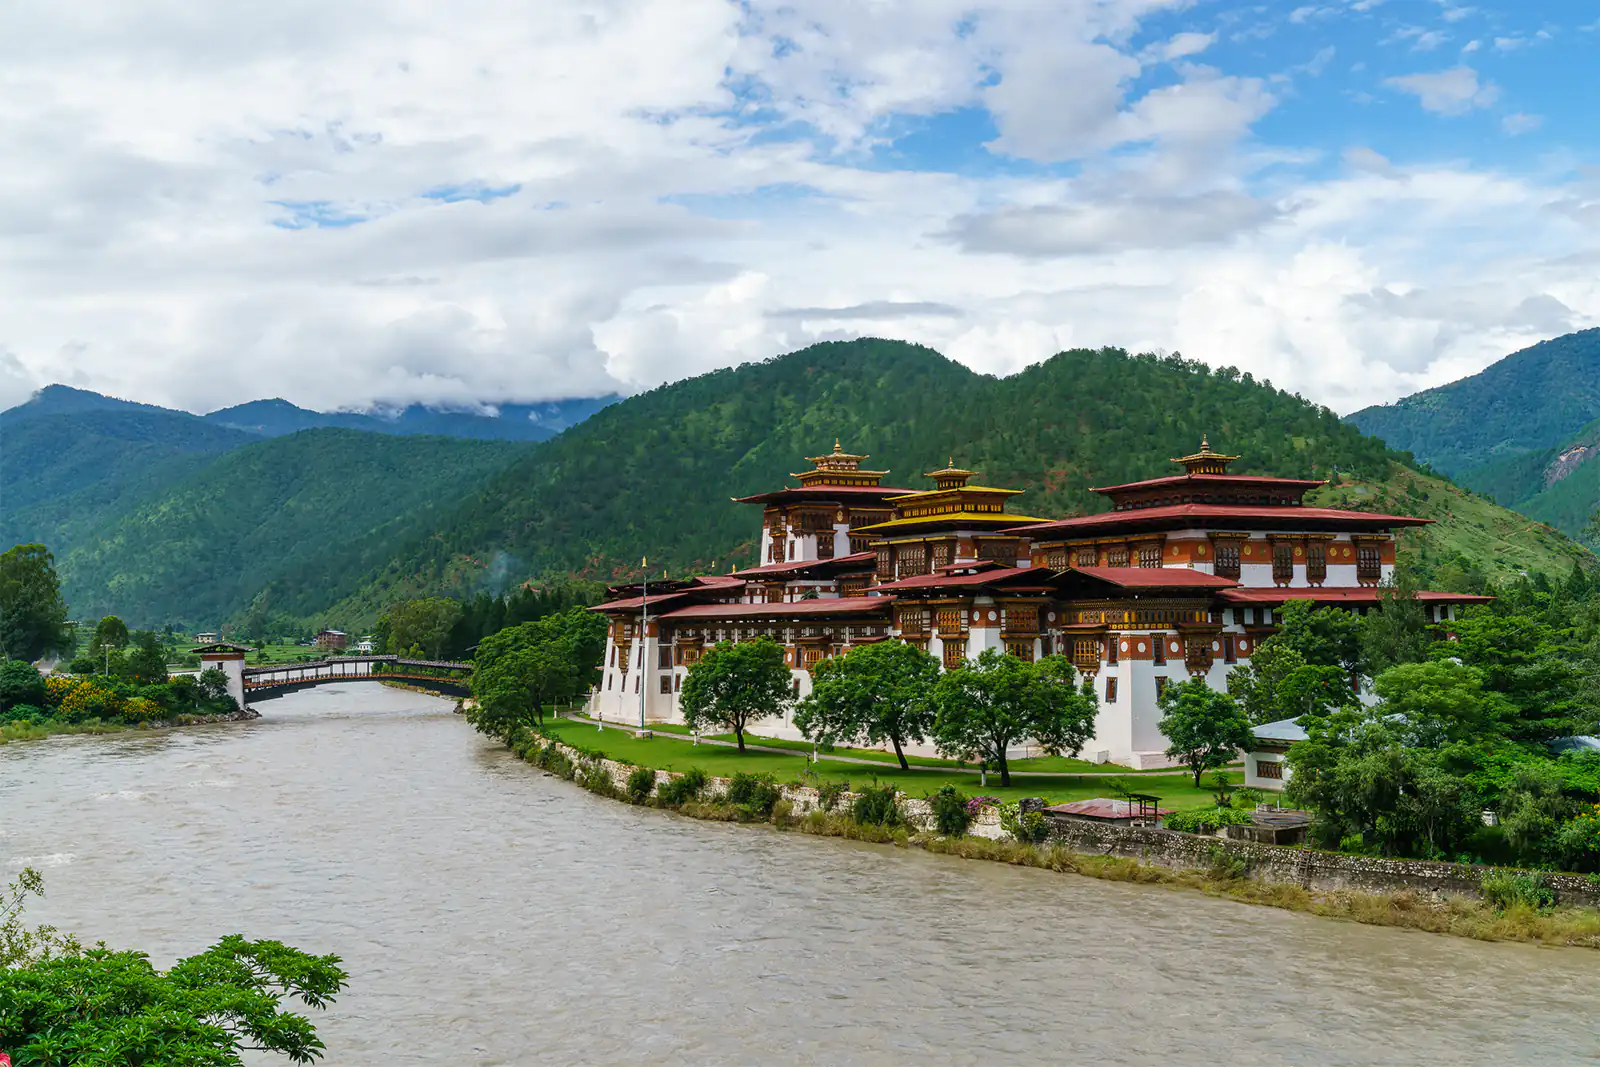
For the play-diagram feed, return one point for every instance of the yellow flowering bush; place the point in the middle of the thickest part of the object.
(82, 699)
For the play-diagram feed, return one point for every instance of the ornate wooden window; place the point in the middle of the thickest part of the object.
(1087, 555)
(885, 569)
(955, 653)
(825, 544)
(1150, 554)
(666, 683)
(1113, 649)
(780, 548)
(1197, 653)
(999, 551)
(1316, 562)
(688, 655)
(918, 643)
(942, 553)
(852, 587)
(1226, 561)
(1230, 650)
(1117, 556)
(1282, 563)
(914, 621)
(664, 656)
(1158, 649)
(1022, 618)
(1111, 690)
(1369, 564)
(911, 560)
(811, 655)
(951, 621)
(1269, 768)
(1086, 653)
(1023, 650)
(1056, 559)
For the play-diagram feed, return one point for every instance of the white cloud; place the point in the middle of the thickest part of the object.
(1448, 92)
(514, 200)
(1520, 123)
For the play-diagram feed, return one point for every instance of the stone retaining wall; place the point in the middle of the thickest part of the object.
(1296, 866)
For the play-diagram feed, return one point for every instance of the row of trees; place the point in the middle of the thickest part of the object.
(521, 669)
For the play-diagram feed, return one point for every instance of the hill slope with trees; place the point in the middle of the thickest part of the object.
(653, 475)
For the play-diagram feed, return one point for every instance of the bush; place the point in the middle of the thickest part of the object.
(683, 788)
(1505, 889)
(755, 793)
(22, 713)
(596, 779)
(878, 806)
(830, 793)
(952, 814)
(1226, 865)
(641, 783)
(1029, 828)
(556, 762)
(1205, 820)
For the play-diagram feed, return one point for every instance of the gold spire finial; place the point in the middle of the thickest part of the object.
(1205, 446)
(951, 463)
(837, 447)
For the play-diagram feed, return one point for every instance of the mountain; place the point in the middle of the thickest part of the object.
(1522, 432)
(508, 422)
(308, 513)
(1533, 399)
(653, 474)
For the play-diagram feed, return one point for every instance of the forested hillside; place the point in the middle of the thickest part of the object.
(307, 513)
(1534, 399)
(653, 475)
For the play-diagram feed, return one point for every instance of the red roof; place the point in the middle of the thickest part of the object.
(942, 581)
(1214, 479)
(804, 564)
(1157, 577)
(852, 605)
(1366, 594)
(824, 492)
(1103, 808)
(1179, 515)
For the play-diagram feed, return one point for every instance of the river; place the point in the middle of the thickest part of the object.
(489, 914)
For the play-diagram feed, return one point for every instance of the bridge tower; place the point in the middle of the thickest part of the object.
(229, 659)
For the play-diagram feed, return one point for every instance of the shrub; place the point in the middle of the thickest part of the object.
(877, 806)
(682, 788)
(952, 813)
(1504, 889)
(1226, 865)
(641, 783)
(755, 793)
(596, 779)
(830, 793)
(22, 713)
(1205, 820)
(556, 762)
(1030, 828)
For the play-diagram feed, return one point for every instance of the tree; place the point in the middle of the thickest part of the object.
(421, 625)
(61, 1003)
(997, 701)
(146, 664)
(1327, 637)
(1440, 702)
(873, 693)
(521, 669)
(735, 684)
(1204, 728)
(1398, 632)
(109, 633)
(33, 617)
(19, 684)
(1256, 685)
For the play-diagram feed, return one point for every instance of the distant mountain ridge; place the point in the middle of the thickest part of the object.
(275, 417)
(1524, 432)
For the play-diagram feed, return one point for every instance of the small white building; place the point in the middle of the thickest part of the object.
(365, 645)
(1266, 766)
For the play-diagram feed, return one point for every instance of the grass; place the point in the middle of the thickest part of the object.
(662, 753)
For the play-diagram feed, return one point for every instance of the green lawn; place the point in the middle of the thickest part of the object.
(666, 753)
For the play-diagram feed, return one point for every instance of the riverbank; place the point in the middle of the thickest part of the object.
(908, 823)
(38, 731)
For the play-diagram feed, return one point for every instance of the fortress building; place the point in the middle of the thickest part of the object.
(1180, 579)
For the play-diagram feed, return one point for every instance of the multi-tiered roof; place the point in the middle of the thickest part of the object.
(836, 476)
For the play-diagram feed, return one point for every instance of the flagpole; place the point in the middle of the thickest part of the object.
(644, 639)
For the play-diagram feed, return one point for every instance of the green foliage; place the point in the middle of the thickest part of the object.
(878, 805)
(641, 783)
(63, 1004)
(1205, 820)
(594, 777)
(521, 669)
(683, 788)
(996, 701)
(830, 793)
(951, 816)
(33, 616)
(755, 793)
(736, 684)
(1323, 637)
(872, 694)
(1511, 889)
(1205, 729)
(1027, 827)
(19, 684)
(421, 626)
(109, 633)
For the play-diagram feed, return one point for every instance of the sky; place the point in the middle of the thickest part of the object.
(390, 201)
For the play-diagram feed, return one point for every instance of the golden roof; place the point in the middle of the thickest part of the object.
(1205, 461)
(837, 462)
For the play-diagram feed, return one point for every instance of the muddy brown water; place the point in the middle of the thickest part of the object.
(491, 915)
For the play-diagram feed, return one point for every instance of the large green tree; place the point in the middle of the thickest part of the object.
(873, 693)
(988, 705)
(33, 617)
(521, 669)
(421, 626)
(736, 684)
(110, 633)
(1205, 729)
(19, 684)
